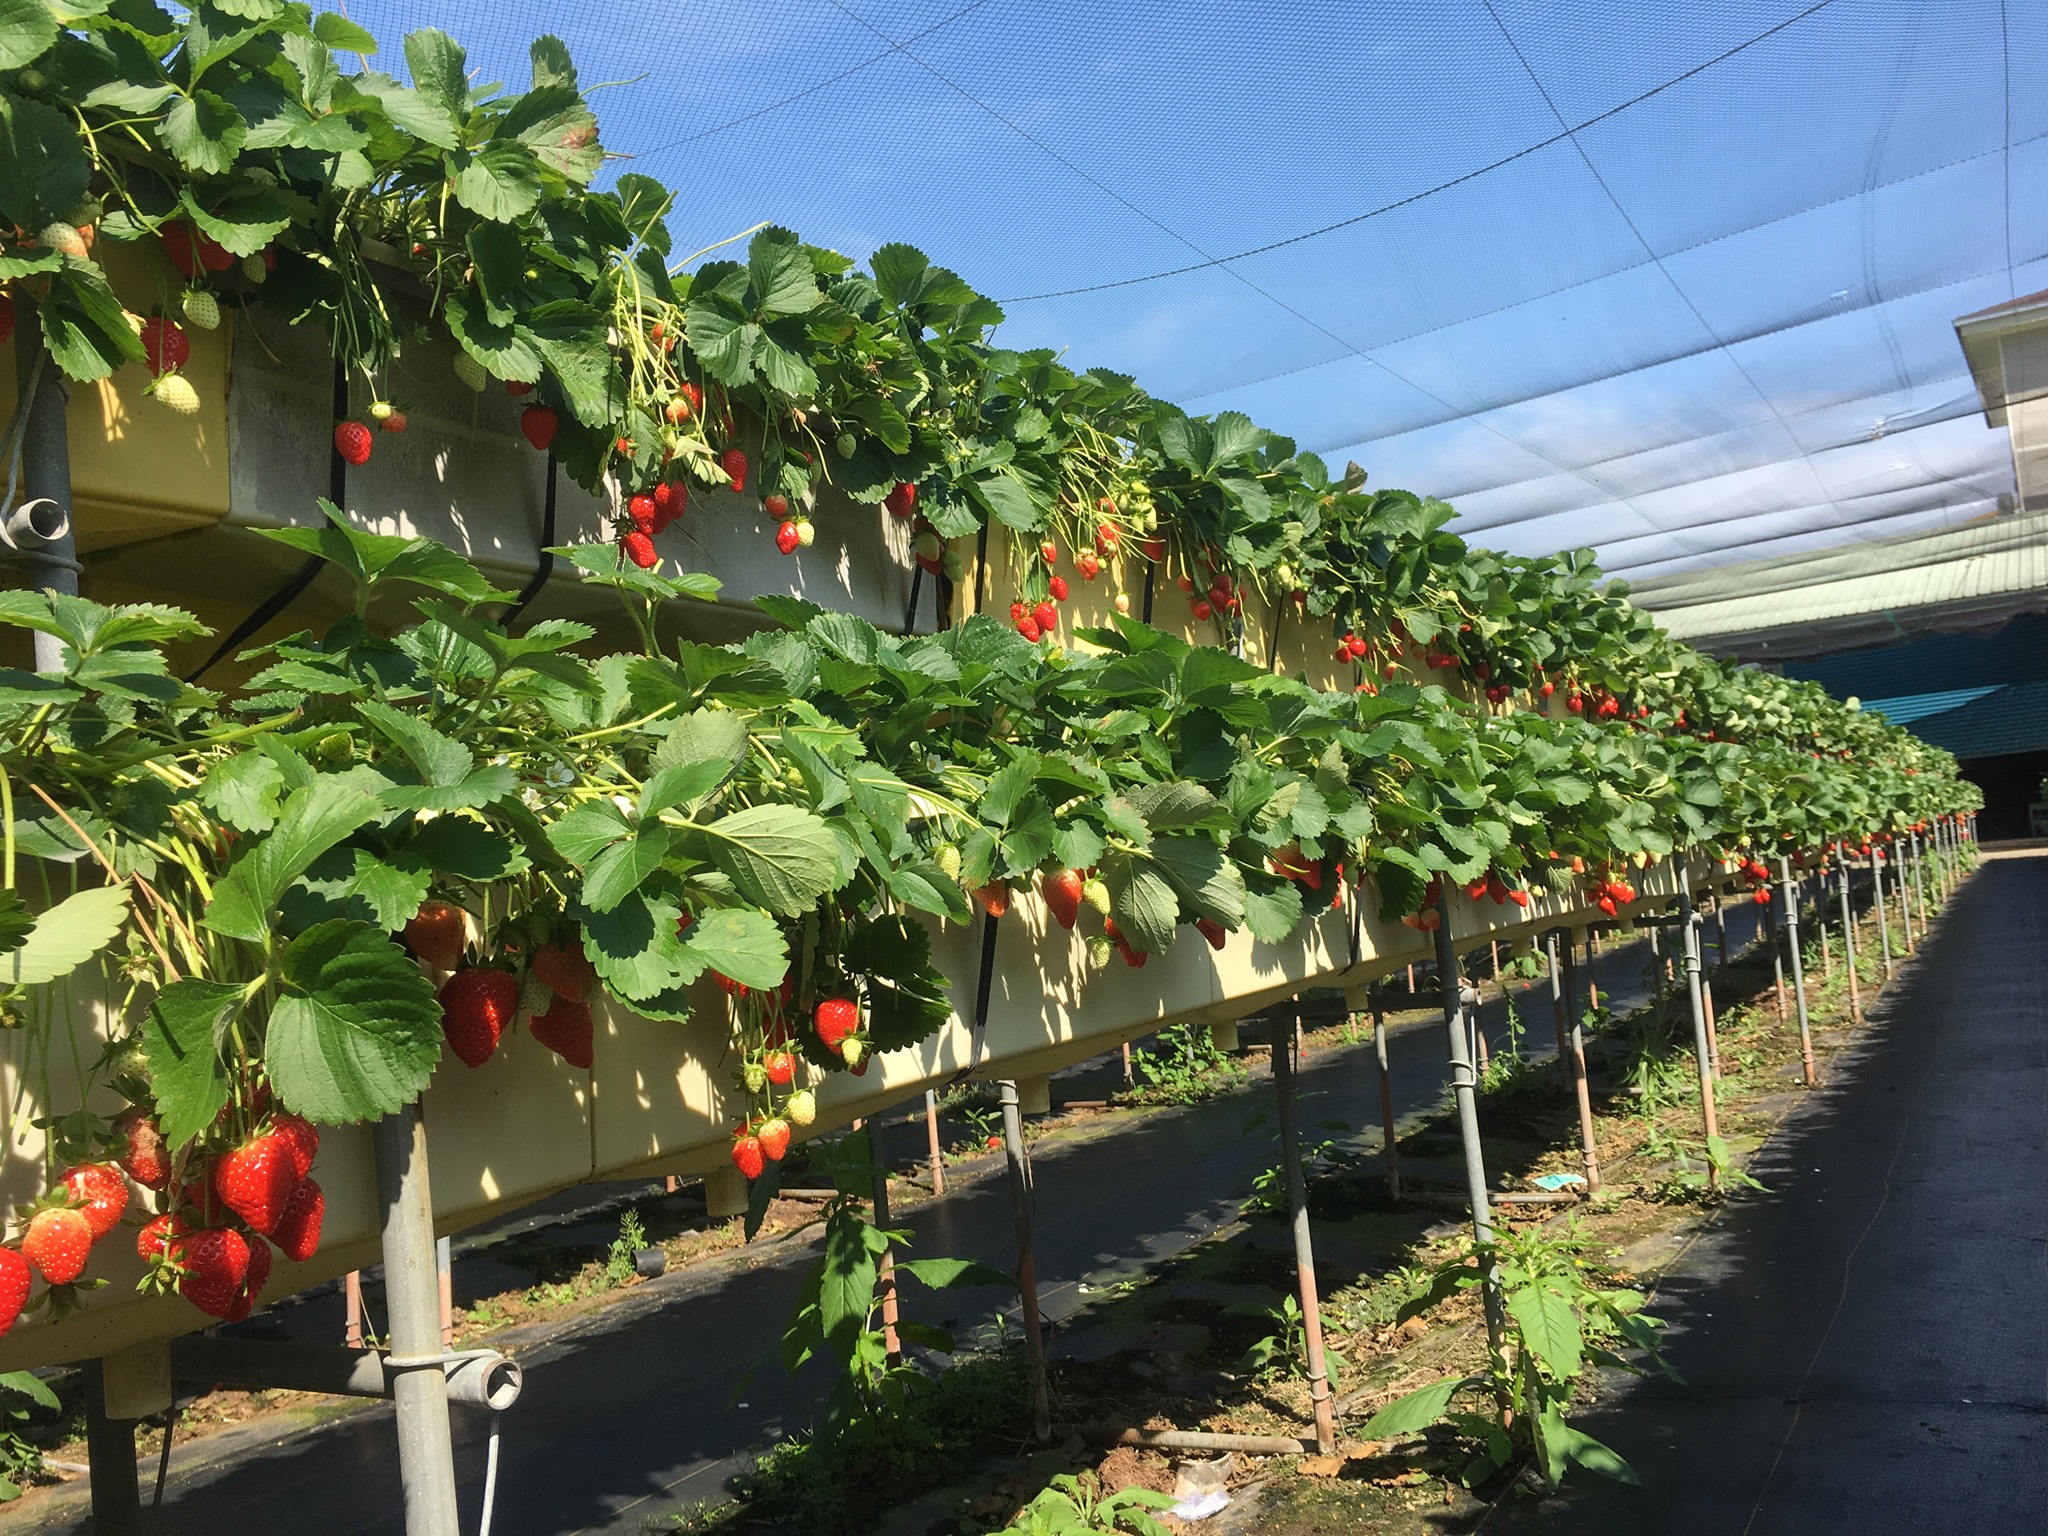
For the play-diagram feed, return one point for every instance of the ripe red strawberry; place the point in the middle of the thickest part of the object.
(165, 346)
(15, 1280)
(101, 1193)
(352, 441)
(902, 501)
(57, 1242)
(153, 1242)
(1201, 609)
(780, 1067)
(776, 507)
(566, 1029)
(994, 898)
(1062, 890)
(642, 512)
(212, 1264)
(1155, 548)
(1089, 564)
(836, 1018)
(539, 423)
(725, 983)
(1018, 612)
(565, 969)
(734, 462)
(517, 387)
(436, 934)
(147, 1160)
(640, 550)
(300, 1139)
(670, 501)
(298, 1226)
(1211, 930)
(476, 1005)
(1046, 617)
(748, 1155)
(254, 1278)
(773, 1134)
(787, 538)
(255, 1179)
(395, 422)
(1028, 628)
(1049, 551)
(1059, 588)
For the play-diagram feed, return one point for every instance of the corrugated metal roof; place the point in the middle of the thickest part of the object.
(1972, 577)
(1918, 706)
(2007, 720)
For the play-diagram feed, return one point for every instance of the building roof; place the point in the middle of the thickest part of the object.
(1969, 579)
(2004, 721)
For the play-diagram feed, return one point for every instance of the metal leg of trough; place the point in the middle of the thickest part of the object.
(352, 1300)
(444, 1288)
(110, 1447)
(1027, 1269)
(1771, 927)
(1576, 1057)
(1820, 921)
(1464, 1089)
(931, 1132)
(1788, 897)
(1558, 991)
(1701, 1052)
(1389, 1137)
(1920, 881)
(1849, 943)
(1713, 1036)
(1884, 922)
(426, 1452)
(1129, 1081)
(885, 1266)
(1304, 1246)
(1902, 881)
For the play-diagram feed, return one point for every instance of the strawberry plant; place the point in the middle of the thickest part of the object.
(1557, 1319)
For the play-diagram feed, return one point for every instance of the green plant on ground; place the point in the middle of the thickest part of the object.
(1324, 1153)
(1076, 1505)
(19, 1456)
(1286, 1346)
(1556, 1319)
(620, 1259)
(1706, 1170)
(1183, 1066)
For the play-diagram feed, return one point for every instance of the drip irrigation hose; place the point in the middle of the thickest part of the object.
(546, 567)
(302, 578)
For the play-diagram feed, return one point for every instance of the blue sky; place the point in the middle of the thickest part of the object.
(1709, 325)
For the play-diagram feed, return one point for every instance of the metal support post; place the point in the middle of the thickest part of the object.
(110, 1448)
(1771, 927)
(1702, 1055)
(931, 1132)
(1820, 921)
(426, 1453)
(885, 1266)
(1304, 1246)
(1902, 881)
(352, 1300)
(1464, 1089)
(444, 1286)
(1389, 1136)
(1884, 922)
(1920, 883)
(1557, 990)
(1849, 942)
(1575, 1057)
(1788, 895)
(1707, 1006)
(38, 526)
(1027, 1270)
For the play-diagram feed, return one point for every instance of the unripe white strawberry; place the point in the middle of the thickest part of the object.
(755, 1076)
(202, 309)
(176, 391)
(1096, 894)
(948, 859)
(1123, 604)
(255, 268)
(806, 533)
(1099, 951)
(852, 1049)
(801, 1108)
(471, 372)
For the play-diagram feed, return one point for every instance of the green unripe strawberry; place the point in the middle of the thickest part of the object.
(844, 445)
(471, 372)
(755, 1076)
(1099, 951)
(1096, 894)
(947, 857)
(255, 268)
